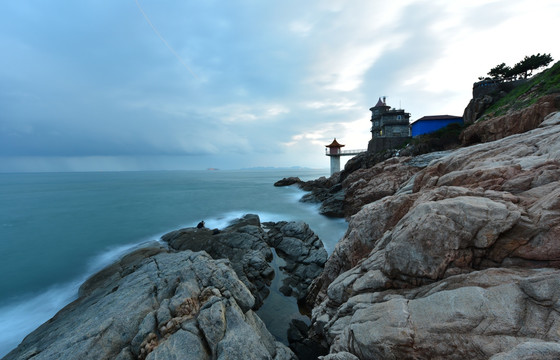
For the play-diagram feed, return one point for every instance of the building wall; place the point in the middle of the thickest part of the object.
(390, 128)
(384, 143)
(427, 126)
(396, 130)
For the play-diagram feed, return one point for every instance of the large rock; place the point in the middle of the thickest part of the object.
(288, 181)
(248, 245)
(157, 304)
(477, 106)
(461, 264)
(472, 316)
(243, 243)
(365, 186)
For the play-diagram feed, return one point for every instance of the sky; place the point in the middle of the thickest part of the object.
(119, 85)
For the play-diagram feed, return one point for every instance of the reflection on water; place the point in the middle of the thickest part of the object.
(278, 310)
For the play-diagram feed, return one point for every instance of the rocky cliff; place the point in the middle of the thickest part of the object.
(510, 108)
(515, 122)
(457, 259)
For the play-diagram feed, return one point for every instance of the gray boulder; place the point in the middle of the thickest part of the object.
(243, 243)
(247, 244)
(472, 316)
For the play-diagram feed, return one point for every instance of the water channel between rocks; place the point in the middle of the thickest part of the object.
(278, 310)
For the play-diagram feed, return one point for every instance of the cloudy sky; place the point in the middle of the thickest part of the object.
(145, 84)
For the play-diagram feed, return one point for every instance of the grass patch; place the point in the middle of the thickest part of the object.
(525, 95)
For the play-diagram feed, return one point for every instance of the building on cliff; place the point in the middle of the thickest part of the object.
(390, 127)
(431, 123)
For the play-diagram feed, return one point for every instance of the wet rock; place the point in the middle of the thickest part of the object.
(301, 344)
(288, 181)
(303, 252)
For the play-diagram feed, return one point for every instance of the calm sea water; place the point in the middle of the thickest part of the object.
(56, 229)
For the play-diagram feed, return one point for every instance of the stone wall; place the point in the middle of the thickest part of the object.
(486, 87)
(384, 143)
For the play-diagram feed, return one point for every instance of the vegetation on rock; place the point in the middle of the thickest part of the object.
(522, 69)
(524, 95)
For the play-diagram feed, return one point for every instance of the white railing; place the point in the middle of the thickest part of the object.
(344, 152)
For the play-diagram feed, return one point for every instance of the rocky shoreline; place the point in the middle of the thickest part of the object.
(448, 255)
(191, 296)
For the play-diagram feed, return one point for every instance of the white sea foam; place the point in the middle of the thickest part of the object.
(224, 220)
(21, 316)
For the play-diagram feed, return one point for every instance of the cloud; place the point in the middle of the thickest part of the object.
(275, 81)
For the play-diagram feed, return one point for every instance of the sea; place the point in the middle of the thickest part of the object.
(57, 229)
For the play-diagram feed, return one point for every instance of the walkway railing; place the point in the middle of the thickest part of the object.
(344, 152)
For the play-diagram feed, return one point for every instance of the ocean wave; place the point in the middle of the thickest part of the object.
(19, 318)
(24, 314)
(223, 220)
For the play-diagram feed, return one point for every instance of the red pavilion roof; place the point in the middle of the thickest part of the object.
(334, 144)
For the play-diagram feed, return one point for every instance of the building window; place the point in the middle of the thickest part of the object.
(399, 117)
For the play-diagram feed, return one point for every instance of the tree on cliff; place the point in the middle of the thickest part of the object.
(522, 69)
(500, 71)
(526, 66)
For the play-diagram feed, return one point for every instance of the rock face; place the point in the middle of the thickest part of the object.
(157, 304)
(247, 245)
(191, 300)
(460, 262)
(366, 178)
(472, 316)
(302, 251)
(243, 243)
(510, 124)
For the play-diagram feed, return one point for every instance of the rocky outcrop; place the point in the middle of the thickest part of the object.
(344, 193)
(365, 185)
(247, 244)
(157, 304)
(471, 316)
(460, 262)
(288, 181)
(476, 108)
(368, 185)
(192, 299)
(513, 123)
(243, 243)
